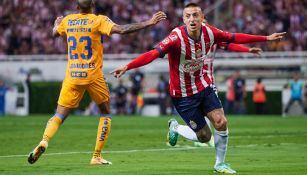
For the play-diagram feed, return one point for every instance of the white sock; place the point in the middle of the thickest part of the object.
(208, 123)
(186, 132)
(221, 142)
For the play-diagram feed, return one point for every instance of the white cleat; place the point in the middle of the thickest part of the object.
(99, 161)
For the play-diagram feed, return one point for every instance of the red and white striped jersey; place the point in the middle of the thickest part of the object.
(191, 61)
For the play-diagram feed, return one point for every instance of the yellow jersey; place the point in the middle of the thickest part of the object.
(85, 47)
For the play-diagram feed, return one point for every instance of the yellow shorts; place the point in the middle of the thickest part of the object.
(72, 94)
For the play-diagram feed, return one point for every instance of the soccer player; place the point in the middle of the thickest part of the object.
(191, 76)
(182, 129)
(85, 49)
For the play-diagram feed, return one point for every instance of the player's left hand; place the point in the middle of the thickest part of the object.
(157, 17)
(276, 36)
(117, 73)
(255, 50)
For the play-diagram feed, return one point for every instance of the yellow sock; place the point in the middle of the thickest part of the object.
(103, 131)
(52, 126)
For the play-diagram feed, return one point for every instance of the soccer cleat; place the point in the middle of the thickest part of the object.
(99, 161)
(224, 168)
(37, 152)
(172, 135)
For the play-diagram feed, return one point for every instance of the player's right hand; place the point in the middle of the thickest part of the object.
(276, 36)
(157, 17)
(58, 20)
(117, 73)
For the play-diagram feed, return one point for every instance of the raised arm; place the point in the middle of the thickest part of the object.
(56, 25)
(129, 28)
(142, 60)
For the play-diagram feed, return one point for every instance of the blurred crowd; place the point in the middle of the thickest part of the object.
(25, 26)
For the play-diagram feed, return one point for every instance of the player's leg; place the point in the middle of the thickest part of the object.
(69, 98)
(289, 104)
(220, 140)
(300, 102)
(213, 108)
(196, 128)
(100, 94)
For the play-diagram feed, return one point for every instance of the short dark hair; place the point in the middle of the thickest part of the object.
(191, 4)
(85, 4)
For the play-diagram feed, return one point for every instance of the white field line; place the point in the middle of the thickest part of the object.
(176, 148)
(266, 136)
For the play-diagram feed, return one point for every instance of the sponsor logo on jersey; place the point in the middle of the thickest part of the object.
(78, 74)
(193, 65)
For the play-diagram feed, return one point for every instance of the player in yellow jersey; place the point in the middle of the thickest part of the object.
(84, 71)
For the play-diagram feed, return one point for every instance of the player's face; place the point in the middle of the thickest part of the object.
(193, 18)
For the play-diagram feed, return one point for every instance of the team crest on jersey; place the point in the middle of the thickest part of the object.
(198, 53)
(193, 124)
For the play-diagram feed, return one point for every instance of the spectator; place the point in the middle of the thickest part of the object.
(163, 94)
(28, 83)
(27, 30)
(92, 109)
(136, 78)
(259, 96)
(140, 103)
(230, 95)
(240, 93)
(121, 98)
(296, 87)
(3, 90)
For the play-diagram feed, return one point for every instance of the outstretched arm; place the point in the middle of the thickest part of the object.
(56, 25)
(129, 28)
(142, 60)
(240, 48)
(241, 38)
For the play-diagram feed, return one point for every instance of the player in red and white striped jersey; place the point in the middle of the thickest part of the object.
(189, 48)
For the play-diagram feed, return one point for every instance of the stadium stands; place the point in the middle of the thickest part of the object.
(28, 29)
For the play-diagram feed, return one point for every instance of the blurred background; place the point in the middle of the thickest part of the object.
(32, 62)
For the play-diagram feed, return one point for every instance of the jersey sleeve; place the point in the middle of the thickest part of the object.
(61, 28)
(106, 25)
(166, 44)
(238, 38)
(221, 36)
(233, 47)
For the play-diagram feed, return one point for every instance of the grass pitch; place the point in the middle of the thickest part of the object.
(257, 146)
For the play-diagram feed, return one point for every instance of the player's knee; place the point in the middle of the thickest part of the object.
(105, 108)
(221, 124)
(204, 136)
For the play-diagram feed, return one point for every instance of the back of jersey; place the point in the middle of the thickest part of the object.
(85, 47)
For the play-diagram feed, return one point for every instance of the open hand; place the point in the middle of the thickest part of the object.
(157, 17)
(255, 50)
(276, 36)
(117, 73)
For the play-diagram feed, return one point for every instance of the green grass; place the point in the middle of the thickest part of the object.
(257, 145)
